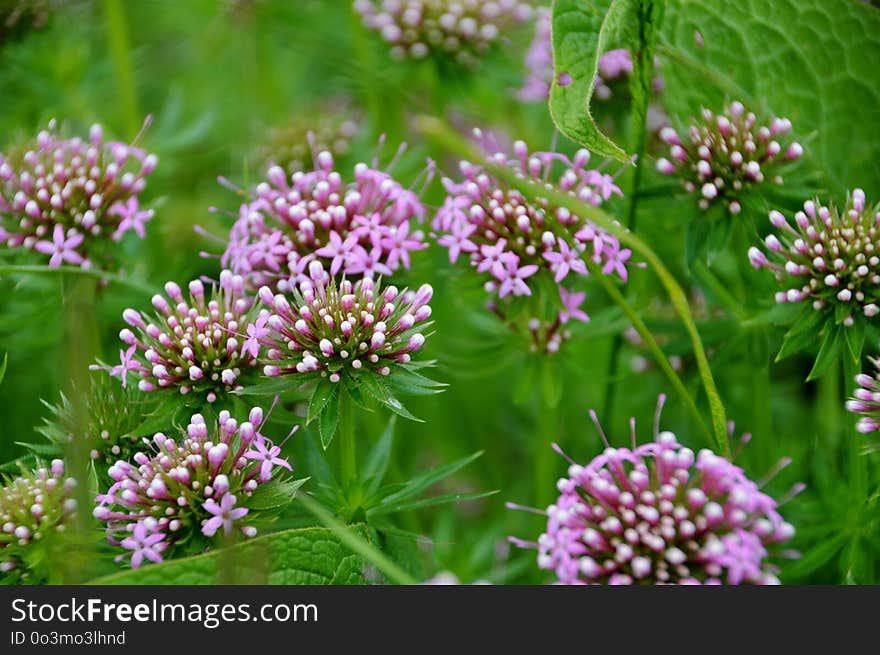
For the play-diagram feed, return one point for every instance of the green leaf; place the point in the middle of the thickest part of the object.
(582, 31)
(380, 391)
(386, 508)
(270, 387)
(551, 382)
(328, 419)
(161, 418)
(855, 340)
(376, 465)
(324, 392)
(421, 482)
(293, 557)
(828, 351)
(276, 493)
(802, 334)
(813, 61)
(3, 366)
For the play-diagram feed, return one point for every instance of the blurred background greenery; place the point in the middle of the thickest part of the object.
(219, 76)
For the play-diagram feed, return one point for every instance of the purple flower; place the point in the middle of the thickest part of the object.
(192, 344)
(126, 364)
(513, 277)
(255, 331)
(567, 260)
(827, 257)
(335, 329)
(35, 508)
(268, 456)
(364, 227)
(866, 400)
(62, 249)
(225, 514)
(724, 154)
(82, 192)
(659, 514)
(463, 31)
(492, 221)
(144, 544)
(571, 303)
(169, 488)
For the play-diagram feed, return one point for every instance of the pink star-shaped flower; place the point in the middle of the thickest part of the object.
(255, 331)
(340, 250)
(144, 545)
(513, 276)
(126, 364)
(571, 303)
(224, 515)
(399, 245)
(268, 455)
(457, 241)
(368, 264)
(493, 258)
(565, 260)
(132, 217)
(62, 249)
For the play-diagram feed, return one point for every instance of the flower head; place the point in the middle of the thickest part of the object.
(69, 198)
(34, 507)
(660, 514)
(200, 344)
(365, 227)
(294, 145)
(723, 155)
(463, 30)
(827, 257)
(345, 329)
(510, 238)
(182, 492)
(866, 400)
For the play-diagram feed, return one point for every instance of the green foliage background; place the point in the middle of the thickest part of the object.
(217, 74)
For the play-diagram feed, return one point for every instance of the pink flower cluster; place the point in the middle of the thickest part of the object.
(33, 506)
(827, 257)
(660, 514)
(866, 400)
(68, 198)
(462, 29)
(539, 64)
(183, 493)
(192, 344)
(724, 154)
(338, 330)
(510, 238)
(365, 228)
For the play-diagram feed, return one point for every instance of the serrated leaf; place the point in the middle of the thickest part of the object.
(328, 420)
(424, 480)
(380, 391)
(582, 31)
(828, 351)
(293, 557)
(322, 394)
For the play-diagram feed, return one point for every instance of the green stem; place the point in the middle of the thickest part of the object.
(358, 545)
(544, 455)
(347, 446)
(117, 34)
(435, 128)
(657, 352)
(79, 342)
(141, 287)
